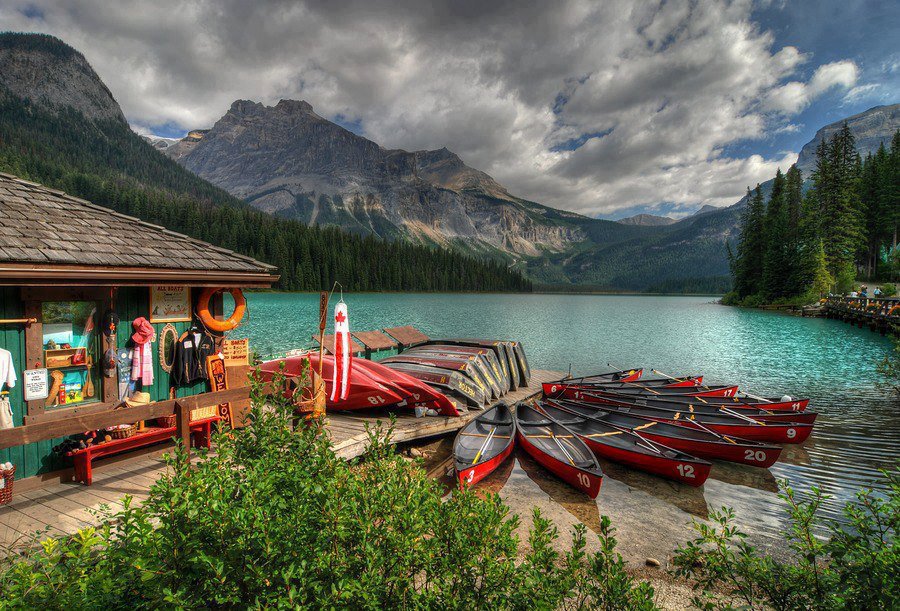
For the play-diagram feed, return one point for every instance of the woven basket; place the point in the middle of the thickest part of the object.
(166, 422)
(7, 478)
(122, 433)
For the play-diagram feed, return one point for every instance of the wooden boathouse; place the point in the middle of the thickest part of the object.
(67, 269)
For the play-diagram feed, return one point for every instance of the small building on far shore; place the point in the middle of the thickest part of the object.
(70, 269)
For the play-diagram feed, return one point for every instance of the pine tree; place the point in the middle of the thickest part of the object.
(751, 247)
(793, 204)
(775, 257)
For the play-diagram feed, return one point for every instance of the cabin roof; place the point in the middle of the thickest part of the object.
(46, 229)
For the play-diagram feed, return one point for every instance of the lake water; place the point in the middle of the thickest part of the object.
(766, 353)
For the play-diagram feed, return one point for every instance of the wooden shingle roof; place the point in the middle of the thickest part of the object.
(46, 227)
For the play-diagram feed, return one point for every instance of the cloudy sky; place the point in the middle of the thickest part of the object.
(606, 108)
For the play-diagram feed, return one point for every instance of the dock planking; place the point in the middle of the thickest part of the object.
(54, 509)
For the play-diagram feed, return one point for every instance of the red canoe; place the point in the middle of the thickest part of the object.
(696, 405)
(558, 450)
(705, 444)
(725, 424)
(483, 444)
(626, 447)
(365, 392)
(419, 391)
(572, 391)
(734, 402)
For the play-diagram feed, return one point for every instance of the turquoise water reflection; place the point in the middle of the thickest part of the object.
(767, 353)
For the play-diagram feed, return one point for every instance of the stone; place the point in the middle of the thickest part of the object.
(652, 562)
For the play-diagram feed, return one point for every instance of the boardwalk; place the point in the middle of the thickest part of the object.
(878, 314)
(63, 508)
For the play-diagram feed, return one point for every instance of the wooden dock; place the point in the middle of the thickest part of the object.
(60, 508)
(881, 315)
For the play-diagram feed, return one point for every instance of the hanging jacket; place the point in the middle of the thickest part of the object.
(190, 358)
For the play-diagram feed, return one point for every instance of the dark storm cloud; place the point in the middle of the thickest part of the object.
(583, 105)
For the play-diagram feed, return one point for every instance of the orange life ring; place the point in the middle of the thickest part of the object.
(214, 324)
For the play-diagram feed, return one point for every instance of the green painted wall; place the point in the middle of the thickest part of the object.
(36, 458)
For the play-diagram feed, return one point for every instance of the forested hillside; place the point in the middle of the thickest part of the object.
(103, 161)
(845, 227)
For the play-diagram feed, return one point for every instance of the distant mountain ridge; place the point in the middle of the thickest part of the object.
(647, 220)
(289, 161)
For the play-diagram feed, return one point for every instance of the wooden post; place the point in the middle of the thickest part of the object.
(183, 426)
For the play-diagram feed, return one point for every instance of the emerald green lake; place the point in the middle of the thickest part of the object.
(766, 353)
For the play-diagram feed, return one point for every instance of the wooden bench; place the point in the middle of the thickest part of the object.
(200, 435)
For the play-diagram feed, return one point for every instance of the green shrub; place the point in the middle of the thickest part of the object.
(889, 367)
(274, 519)
(888, 290)
(856, 566)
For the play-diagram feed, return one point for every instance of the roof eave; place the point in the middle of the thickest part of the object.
(31, 274)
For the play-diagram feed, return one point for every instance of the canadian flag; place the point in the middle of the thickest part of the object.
(343, 355)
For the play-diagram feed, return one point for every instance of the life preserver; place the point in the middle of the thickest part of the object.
(214, 324)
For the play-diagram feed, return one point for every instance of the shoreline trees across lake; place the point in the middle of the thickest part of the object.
(798, 247)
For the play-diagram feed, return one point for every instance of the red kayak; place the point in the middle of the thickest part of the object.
(624, 446)
(558, 450)
(419, 391)
(695, 405)
(365, 391)
(705, 444)
(483, 444)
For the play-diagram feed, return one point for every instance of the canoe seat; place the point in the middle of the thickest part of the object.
(491, 421)
(537, 422)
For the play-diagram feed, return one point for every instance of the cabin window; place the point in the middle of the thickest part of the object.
(70, 352)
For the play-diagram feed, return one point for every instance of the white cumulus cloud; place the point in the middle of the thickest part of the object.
(583, 105)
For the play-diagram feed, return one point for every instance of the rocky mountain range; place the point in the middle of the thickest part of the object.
(289, 161)
(292, 163)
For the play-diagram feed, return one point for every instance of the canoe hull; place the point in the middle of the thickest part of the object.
(587, 482)
(692, 473)
(472, 475)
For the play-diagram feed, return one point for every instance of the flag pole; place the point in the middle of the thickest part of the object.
(323, 321)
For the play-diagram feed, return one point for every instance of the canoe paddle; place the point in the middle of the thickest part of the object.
(484, 445)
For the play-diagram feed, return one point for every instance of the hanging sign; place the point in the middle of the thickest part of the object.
(36, 383)
(170, 303)
(218, 380)
(236, 351)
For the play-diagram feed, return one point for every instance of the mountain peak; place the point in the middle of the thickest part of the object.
(53, 75)
(294, 106)
(647, 220)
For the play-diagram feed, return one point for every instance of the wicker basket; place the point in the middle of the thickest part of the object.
(7, 478)
(124, 433)
(166, 422)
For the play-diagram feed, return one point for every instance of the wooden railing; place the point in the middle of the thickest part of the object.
(181, 408)
(869, 307)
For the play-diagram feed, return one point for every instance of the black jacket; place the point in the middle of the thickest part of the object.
(190, 358)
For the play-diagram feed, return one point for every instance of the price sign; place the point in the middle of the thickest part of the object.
(236, 351)
(37, 386)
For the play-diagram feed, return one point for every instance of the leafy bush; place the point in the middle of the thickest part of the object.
(855, 567)
(274, 519)
(888, 290)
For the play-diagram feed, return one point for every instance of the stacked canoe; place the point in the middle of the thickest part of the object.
(442, 376)
(474, 372)
(668, 426)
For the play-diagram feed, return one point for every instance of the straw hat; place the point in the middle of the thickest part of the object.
(138, 398)
(143, 331)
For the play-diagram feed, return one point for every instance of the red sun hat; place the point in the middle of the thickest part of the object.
(143, 331)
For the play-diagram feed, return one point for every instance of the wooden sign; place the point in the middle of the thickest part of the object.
(218, 380)
(236, 351)
(170, 303)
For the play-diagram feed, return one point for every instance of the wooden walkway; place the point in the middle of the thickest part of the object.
(57, 509)
(880, 315)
